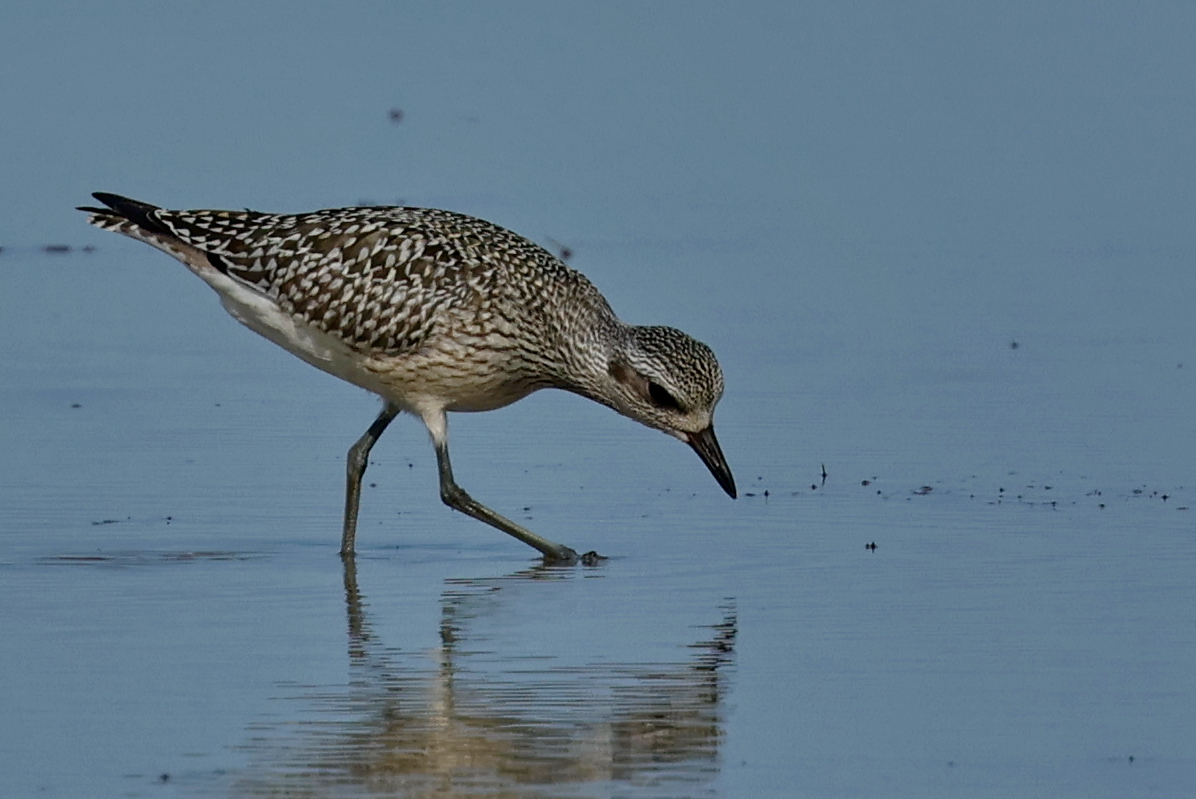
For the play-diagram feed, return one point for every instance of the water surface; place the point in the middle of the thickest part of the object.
(944, 255)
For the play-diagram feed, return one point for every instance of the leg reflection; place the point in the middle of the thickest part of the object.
(477, 719)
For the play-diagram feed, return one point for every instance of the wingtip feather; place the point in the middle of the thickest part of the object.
(137, 212)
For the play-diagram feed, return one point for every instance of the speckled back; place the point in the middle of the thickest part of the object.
(386, 279)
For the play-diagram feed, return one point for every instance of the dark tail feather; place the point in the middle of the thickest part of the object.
(139, 213)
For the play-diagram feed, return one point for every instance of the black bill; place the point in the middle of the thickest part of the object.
(706, 445)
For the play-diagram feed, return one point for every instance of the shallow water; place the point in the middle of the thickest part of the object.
(944, 257)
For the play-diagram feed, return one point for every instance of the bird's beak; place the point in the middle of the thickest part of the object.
(706, 445)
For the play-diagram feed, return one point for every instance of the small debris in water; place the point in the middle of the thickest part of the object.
(871, 547)
(562, 251)
(923, 491)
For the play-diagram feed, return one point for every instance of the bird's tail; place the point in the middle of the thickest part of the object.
(121, 212)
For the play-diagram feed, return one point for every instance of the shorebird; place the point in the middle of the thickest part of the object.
(435, 311)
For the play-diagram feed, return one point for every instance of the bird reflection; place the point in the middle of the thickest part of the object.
(471, 723)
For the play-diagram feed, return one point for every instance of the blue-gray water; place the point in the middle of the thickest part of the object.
(945, 251)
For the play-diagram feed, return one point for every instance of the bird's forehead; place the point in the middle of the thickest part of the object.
(690, 364)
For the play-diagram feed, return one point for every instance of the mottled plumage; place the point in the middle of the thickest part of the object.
(435, 311)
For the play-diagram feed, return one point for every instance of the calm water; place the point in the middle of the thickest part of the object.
(945, 255)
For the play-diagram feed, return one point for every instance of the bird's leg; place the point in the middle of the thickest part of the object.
(455, 497)
(359, 455)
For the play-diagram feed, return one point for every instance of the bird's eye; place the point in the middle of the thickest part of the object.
(663, 399)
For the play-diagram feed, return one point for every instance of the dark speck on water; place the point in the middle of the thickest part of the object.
(563, 252)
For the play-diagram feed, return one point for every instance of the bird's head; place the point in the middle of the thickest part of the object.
(666, 380)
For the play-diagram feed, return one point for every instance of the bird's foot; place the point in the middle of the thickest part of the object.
(564, 556)
(561, 555)
(592, 558)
